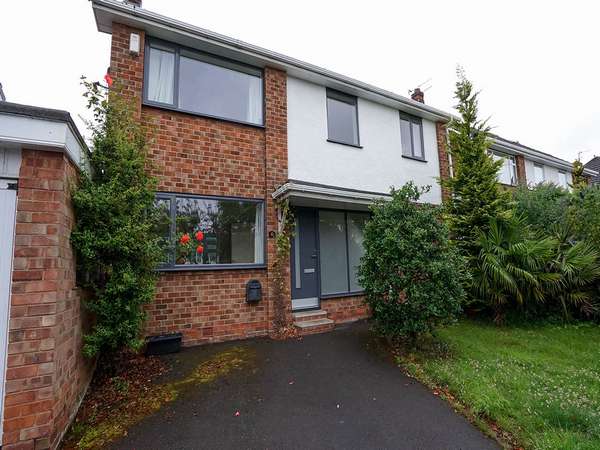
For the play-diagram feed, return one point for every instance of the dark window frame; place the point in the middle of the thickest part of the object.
(350, 100)
(171, 266)
(208, 58)
(349, 292)
(417, 121)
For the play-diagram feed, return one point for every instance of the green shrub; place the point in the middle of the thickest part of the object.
(584, 215)
(510, 269)
(543, 207)
(412, 276)
(115, 235)
(535, 273)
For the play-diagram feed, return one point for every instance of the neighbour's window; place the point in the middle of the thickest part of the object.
(562, 179)
(204, 84)
(538, 173)
(341, 247)
(342, 118)
(411, 135)
(207, 232)
(508, 172)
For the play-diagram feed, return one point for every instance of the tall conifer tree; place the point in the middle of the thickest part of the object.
(475, 194)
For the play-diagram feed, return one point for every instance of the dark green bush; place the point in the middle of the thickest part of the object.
(543, 207)
(412, 276)
(584, 215)
(115, 235)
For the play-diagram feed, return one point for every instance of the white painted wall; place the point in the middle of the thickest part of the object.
(550, 173)
(375, 167)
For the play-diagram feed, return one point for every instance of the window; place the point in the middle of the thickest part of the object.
(562, 179)
(508, 172)
(342, 118)
(411, 135)
(207, 232)
(341, 247)
(538, 173)
(204, 84)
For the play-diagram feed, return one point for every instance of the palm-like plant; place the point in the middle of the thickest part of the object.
(578, 264)
(512, 265)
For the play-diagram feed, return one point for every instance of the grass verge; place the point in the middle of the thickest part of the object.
(535, 386)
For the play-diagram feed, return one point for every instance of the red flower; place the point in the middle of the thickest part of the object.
(184, 239)
(108, 80)
(199, 249)
(199, 235)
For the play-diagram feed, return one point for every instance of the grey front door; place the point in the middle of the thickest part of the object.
(305, 260)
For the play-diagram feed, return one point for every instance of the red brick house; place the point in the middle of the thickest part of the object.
(237, 128)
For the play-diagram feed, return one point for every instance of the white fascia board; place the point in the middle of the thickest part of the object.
(41, 134)
(108, 11)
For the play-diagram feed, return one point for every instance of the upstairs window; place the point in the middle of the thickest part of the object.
(411, 135)
(562, 179)
(342, 118)
(538, 173)
(204, 84)
(508, 172)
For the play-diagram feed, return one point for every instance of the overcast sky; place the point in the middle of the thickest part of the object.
(537, 64)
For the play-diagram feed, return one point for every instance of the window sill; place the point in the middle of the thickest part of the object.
(342, 294)
(344, 143)
(210, 267)
(414, 158)
(197, 114)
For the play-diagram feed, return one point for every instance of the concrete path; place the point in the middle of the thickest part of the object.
(323, 392)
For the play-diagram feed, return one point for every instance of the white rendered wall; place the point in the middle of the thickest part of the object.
(550, 173)
(375, 167)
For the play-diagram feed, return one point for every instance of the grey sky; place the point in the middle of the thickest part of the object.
(537, 64)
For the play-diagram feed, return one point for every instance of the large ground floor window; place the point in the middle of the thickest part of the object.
(211, 232)
(340, 249)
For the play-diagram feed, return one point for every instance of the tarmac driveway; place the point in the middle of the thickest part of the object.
(325, 391)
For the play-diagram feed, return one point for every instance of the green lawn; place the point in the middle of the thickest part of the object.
(540, 383)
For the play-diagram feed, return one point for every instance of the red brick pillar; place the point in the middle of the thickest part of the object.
(46, 373)
(276, 167)
(444, 160)
(521, 175)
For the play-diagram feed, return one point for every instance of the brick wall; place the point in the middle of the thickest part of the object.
(521, 174)
(442, 144)
(204, 156)
(46, 375)
(346, 309)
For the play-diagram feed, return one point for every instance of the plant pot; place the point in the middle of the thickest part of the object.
(163, 344)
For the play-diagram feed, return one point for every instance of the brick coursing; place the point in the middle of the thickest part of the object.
(442, 145)
(46, 374)
(346, 309)
(204, 156)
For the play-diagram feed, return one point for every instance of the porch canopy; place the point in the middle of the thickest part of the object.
(304, 193)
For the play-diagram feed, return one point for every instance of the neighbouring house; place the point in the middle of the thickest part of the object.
(43, 375)
(594, 164)
(238, 128)
(528, 166)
